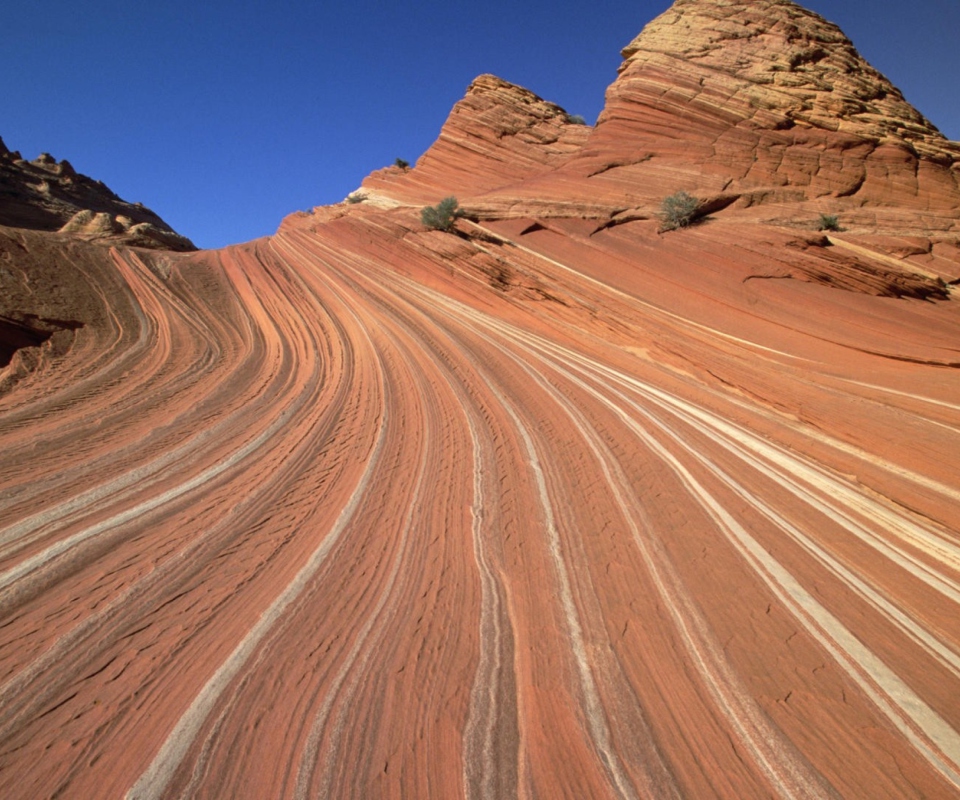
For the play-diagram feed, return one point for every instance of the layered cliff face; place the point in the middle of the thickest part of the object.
(762, 110)
(50, 195)
(770, 102)
(557, 504)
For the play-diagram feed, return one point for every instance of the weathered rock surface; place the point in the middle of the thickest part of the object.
(768, 101)
(558, 505)
(49, 195)
(499, 134)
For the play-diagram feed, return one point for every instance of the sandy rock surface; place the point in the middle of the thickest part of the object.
(557, 505)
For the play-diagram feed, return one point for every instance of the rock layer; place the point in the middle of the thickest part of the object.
(555, 505)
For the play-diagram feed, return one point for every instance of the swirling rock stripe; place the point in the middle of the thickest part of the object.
(346, 512)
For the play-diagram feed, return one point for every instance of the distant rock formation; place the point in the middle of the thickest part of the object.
(48, 195)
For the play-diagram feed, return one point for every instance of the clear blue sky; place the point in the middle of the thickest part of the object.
(223, 117)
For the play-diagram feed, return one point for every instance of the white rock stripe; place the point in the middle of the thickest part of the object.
(930, 734)
(773, 754)
(152, 783)
(935, 739)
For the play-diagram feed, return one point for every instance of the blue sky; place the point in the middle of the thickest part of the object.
(223, 117)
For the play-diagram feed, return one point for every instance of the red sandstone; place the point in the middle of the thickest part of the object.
(559, 506)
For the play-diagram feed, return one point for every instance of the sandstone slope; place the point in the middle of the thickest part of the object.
(557, 505)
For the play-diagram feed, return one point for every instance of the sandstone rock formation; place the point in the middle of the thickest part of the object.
(771, 103)
(498, 134)
(48, 195)
(557, 505)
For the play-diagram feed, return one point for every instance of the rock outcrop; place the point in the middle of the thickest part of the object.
(769, 102)
(498, 135)
(556, 504)
(760, 106)
(50, 195)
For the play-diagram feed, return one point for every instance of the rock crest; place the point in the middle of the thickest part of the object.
(788, 62)
(498, 134)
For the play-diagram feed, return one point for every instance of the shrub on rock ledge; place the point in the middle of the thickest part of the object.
(829, 222)
(442, 216)
(678, 210)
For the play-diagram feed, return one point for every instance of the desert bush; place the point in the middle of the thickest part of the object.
(576, 119)
(442, 216)
(401, 163)
(829, 222)
(356, 197)
(678, 210)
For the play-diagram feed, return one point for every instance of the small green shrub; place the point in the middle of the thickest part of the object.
(576, 119)
(442, 216)
(356, 197)
(829, 222)
(678, 210)
(401, 163)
